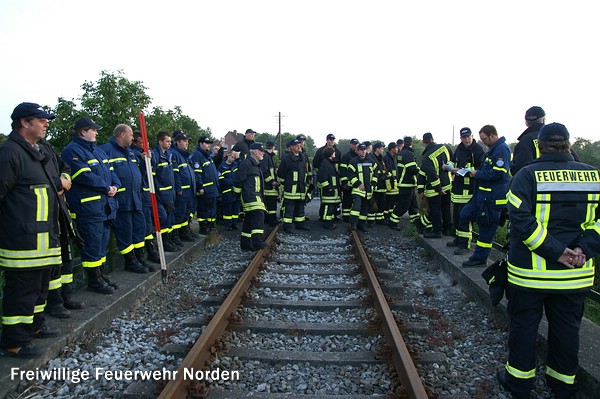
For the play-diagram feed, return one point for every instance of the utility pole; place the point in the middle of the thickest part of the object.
(280, 150)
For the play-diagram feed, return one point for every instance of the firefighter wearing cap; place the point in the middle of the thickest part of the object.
(271, 190)
(435, 184)
(318, 158)
(309, 170)
(383, 176)
(248, 183)
(489, 194)
(347, 190)
(185, 186)
(230, 201)
(553, 207)
(164, 183)
(293, 175)
(362, 179)
(407, 189)
(29, 230)
(328, 183)
(207, 185)
(130, 215)
(390, 160)
(243, 146)
(526, 149)
(468, 155)
(92, 200)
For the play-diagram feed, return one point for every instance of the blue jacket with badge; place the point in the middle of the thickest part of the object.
(125, 165)
(91, 177)
(207, 177)
(185, 181)
(164, 177)
(492, 178)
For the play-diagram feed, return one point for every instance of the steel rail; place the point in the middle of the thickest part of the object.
(201, 351)
(407, 373)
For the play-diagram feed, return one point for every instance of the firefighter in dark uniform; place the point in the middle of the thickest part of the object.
(436, 186)
(380, 188)
(346, 190)
(468, 155)
(362, 179)
(207, 185)
(138, 147)
(391, 189)
(185, 186)
(328, 183)
(489, 194)
(164, 184)
(130, 215)
(318, 158)
(293, 175)
(230, 200)
(271, 190)
(526, 149)
(407, 187)
(243, 146)
(553, 207)
(29, 231)
(248, 182)
(92, 200)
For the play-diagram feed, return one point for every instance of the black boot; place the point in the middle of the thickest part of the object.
(132, 264)
(192, 233)
(67, 296)
(203, 229)
(140, 255)
(175, 238)
(302, 226)
(185, 234)
(168, 245)
(55, 306)
(153, 255)
(96, 283)
(103, 273)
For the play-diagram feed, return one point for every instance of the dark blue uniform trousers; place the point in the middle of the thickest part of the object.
(564, 313)
(128, 234)
(488, 225)
(95, 236)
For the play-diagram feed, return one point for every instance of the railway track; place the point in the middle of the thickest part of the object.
(288, 298)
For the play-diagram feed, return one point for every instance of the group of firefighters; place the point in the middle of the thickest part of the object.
(47, 202)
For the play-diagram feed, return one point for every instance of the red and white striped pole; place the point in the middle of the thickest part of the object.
(161, 251)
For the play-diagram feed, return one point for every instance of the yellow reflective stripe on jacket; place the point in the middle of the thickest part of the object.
(87, 199)
(514, 200)
(41, 195)
(80, 171)
(542, 278)
(21, 259)
(119, 190)
(116, 159)
(165, 188)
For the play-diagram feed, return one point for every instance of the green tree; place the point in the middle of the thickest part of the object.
(113, 99)
(170, 120)
(60, 130)
(588, 151)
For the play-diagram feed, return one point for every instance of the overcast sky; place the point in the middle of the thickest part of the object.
(366, 69)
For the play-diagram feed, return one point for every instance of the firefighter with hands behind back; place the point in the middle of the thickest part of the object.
(553, 208)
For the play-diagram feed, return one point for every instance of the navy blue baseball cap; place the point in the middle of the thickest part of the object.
(301, 137)
(534, 113)
(394, 145)
(407, 140)
(86, 123)
(250, 131)
(180, 135)
(25, 110)
(465, 132)
(205, 139)
(270, 144)
(257, 146)
(554, 132)
(362, 146)
(427, 137)
(377, 145)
